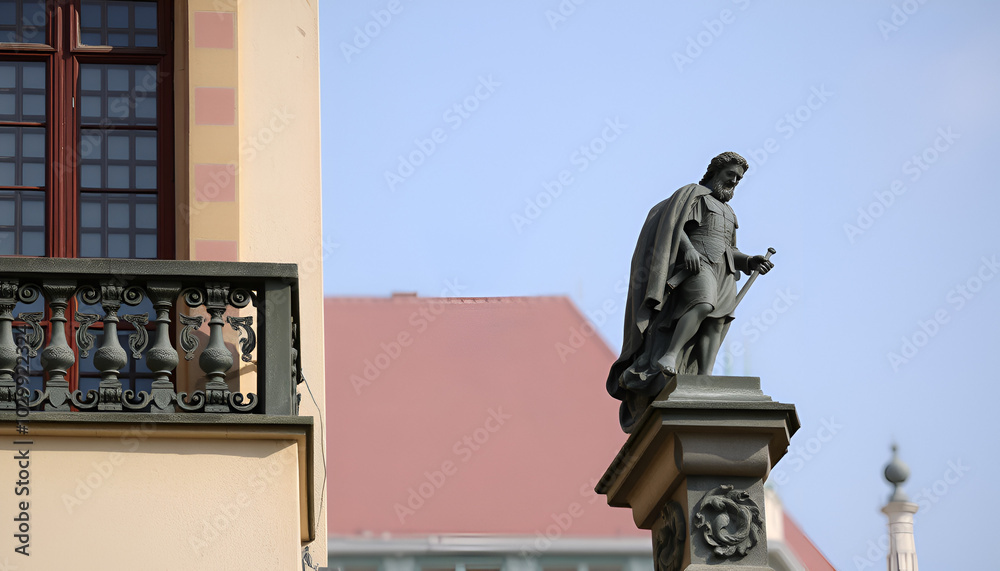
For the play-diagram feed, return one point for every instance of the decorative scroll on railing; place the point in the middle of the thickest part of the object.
(119, 286)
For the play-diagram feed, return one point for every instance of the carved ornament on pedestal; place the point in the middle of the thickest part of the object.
(730, 521)
(668, 540)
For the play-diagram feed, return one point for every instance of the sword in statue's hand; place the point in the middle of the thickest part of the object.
(743, 291)
(753, 277)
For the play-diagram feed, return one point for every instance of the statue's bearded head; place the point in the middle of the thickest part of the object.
(723, 174)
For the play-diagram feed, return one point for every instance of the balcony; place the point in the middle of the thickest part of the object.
(157, 317)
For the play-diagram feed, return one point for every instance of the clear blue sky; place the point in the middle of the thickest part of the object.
(872, 126)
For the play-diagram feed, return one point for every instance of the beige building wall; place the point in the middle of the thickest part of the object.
(156, 497)
(279, 182)
(249, 182)
(247, 186)
(247, 176)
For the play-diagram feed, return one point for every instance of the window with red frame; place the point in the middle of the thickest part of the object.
(86, 129)
(86, 145)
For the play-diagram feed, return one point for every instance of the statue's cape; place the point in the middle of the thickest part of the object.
(653, 263)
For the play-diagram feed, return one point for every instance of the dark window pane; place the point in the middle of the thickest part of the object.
(145, 246)
(90, 176)
(8, 245)
(117, 23)
(33, 106)
(22, 156)
(33, 209)
(23, 21)
(118, 176)
(91, 145)
(117, 225)
(90, 107)
(145, 178)
(33, 143)
(32, 243)
(118, 14)
(91, 15)
(33, 76)
(90, 79)
(145, 146)
(145, 40)
(145, 17)
(118, 147)
(118, 215)
(34, 13)
(118, 94)
(8, 75)
(22, 91)
(118, 246)
(7, 211)
(145, 108)
(8, 13)
(130, 161)
(91, 245)
(119, 108)
(145, 215)
(22, 222)
(118, 79)
(33, 174)
(91, 215)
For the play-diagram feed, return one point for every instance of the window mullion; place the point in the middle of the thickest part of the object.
(61, 170)
(63, 162)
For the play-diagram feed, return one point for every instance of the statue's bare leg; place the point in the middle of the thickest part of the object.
(686, 327)
(709, 343)
(702, 346)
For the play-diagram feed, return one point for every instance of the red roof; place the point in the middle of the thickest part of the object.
(805, 551)
(493, 408)
(473, 415)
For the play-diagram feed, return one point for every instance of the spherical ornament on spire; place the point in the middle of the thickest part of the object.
(896, 472)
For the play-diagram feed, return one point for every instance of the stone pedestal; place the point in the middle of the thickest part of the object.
(902, 548)
(693, 472)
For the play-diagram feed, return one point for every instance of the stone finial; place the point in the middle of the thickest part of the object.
(902, 554)
(896, 472)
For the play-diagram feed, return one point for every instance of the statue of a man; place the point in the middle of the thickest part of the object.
(682, 287)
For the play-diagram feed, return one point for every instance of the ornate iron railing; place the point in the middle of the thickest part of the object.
(174, 289)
